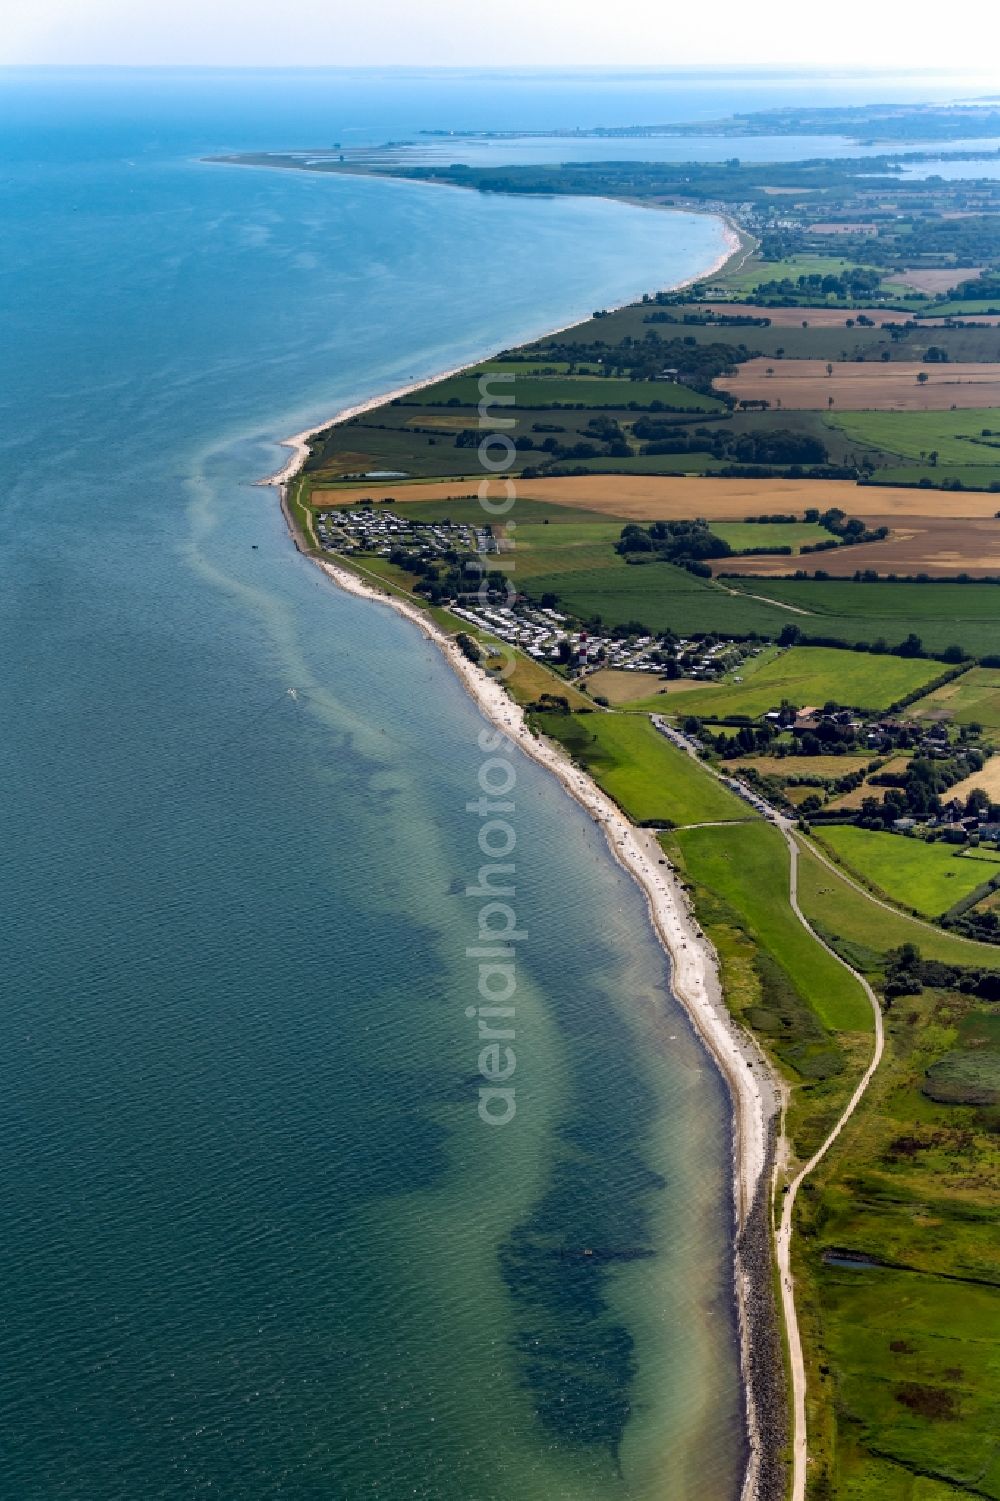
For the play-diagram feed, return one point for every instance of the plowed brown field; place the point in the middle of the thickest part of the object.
(936, 545)
(805, 385)
(921, 279)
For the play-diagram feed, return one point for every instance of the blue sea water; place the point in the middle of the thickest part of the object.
(256, 1242)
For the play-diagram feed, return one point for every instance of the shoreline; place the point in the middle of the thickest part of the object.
(736, 245)
(754, 1093)
(694, 982)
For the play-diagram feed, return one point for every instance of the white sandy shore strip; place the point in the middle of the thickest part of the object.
(299, 443)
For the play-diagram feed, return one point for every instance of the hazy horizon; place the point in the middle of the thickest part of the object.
(310, 33)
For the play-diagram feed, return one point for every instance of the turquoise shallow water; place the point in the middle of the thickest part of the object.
(256, 1242)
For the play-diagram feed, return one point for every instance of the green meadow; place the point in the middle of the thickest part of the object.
(941, 615)
(864, 932)
(957, 437)
(533, 390)
(974, 698)
(928, 878)
(748, 868)
(813, 675)
(743, 536)
(742, 281)
(809, 1014)
(661, 596)
(565, 547)
(650, 779)
(896, 1264)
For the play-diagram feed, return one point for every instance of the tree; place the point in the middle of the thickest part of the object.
(911, 647)
(922, 378)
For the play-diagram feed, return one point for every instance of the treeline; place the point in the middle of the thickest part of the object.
(870, 576)
(793, 635)
(908, 973)
(916, 793)
(776, 446)
(682, 542)
(856, 283)
(731, 181)
(696, 364)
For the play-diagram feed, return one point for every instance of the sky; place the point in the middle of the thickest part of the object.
(880, 34)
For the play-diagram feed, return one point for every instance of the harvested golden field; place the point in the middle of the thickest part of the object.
(923, 280)
(804, 766)
(446, 424)
(625, 687)
(816, 317)
(988, 779)
(867, 789)
(810, 385)
(664, 497)
(943, 545)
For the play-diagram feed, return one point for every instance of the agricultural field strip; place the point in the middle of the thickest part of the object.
(814, 675)
(970, 436)
(648, 497)
(814, 386)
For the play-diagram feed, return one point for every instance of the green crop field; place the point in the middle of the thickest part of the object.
(940, 476)
(974, 698)
(541, 549)
(940, 614)
(864, 932)
(744, 535)
(930, 878)
(956, 436)
(565, 390)
(659, 463)
(958, 307)
(754, 272)
(662, 597)
(814, 675)
(589, 542)
(747, 867)
(648, 777)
